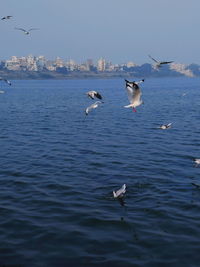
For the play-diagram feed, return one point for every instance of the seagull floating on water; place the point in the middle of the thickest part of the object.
(120, 193)
(5, 80)
(27, 32)
(6, 17)
(160, 63)
(93, 106)
(165, 126)
(93, 94)
(134, 94)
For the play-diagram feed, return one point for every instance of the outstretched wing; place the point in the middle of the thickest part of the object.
(33, 29)
(153, 59)
(7, 81)
(98, 95)
(166, 62)
(21, 29)
(121, 191)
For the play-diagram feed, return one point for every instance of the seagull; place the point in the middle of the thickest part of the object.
(165, 126)
(93, 94)
(160, 63)
(27, 32)
(5, 80)
(120, 193)
(197, 161)
(134, 94)
(6, 17)
(93, 106)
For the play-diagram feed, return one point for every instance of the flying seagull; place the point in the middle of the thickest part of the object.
(134, 94)
(93, 94)
(27, 32)
(6, 17)
(93, 106)
(165, 126)
(5, 80)
(160, 63)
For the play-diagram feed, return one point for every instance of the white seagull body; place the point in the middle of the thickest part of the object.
(6, 17)
(93, 94)
(5, 80)
(160, 63)
(93, 106)
(120, 193)
(134, 94)
(165, 126)
(27, 32)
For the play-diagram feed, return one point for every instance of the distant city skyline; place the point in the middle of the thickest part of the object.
(40, 63)
(116, 30)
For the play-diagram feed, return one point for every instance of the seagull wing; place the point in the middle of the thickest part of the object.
(21, 29)
(141, 81)
(33, 29)
(166, 62)
(153, 59)
(169, 124)
(7, 81)
(98, 95)
(121, 191)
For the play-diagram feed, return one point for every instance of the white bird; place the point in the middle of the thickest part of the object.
(93, 106)
(5, 80)
(27, 32)
(120, 193)
(134, 94)
(6, 17)
(165, 126)
(160, 63)
(2, 92)
(197, 161)
(93, 94)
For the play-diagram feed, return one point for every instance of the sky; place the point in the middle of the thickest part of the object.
(117, 30)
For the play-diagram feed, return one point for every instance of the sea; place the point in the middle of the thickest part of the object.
(59, 167)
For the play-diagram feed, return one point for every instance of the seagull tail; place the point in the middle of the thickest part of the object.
(128, 106)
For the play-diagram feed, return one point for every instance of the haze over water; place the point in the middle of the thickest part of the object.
(59, 168)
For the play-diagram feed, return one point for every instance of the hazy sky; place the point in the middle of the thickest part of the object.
(118, 30)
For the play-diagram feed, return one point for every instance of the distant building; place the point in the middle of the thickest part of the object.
(71, 65)
(101, 64)
(13, 63)
(130, 64)
(59, 63)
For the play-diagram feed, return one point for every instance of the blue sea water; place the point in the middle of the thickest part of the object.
(59, 168)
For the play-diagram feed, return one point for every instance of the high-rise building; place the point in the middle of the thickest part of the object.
(101, 64)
